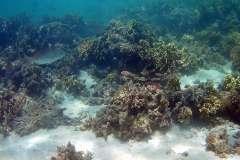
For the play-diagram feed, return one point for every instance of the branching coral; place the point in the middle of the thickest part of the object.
(68, 152)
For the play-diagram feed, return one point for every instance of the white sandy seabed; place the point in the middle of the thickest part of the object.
(167, 144)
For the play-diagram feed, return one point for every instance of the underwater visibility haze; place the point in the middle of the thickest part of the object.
(120, 79)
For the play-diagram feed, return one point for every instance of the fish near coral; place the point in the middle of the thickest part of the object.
(188, 86)
(45, 56)
(136, 44)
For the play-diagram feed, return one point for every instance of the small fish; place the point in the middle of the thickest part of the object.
(46, 56)
(188, 86)
(136, 44)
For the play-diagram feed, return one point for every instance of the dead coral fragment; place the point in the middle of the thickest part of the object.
(69, 153)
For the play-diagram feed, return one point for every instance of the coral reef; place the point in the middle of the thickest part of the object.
(74, 86)
(30, 80)
(25, 37)
(68, 152)
(131, 43)
(229, 82)
(132, 112)
(107, 84)
(10, 107)
(174, 84)
(202, 100)
(184, 115)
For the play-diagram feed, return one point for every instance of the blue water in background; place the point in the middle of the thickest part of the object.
(101, 10)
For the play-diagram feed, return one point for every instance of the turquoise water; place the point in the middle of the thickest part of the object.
(103, 10)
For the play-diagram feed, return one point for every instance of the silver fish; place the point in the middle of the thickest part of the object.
(46, 56)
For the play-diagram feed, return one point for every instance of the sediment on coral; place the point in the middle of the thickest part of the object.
(68, 152)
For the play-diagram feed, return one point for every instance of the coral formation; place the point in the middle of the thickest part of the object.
(30, 80)
(132, 112)
(10, 107)
(174, 84)
(229, 82)
(184, 115)
(202, 100)
(68, 152)
(74, 86)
